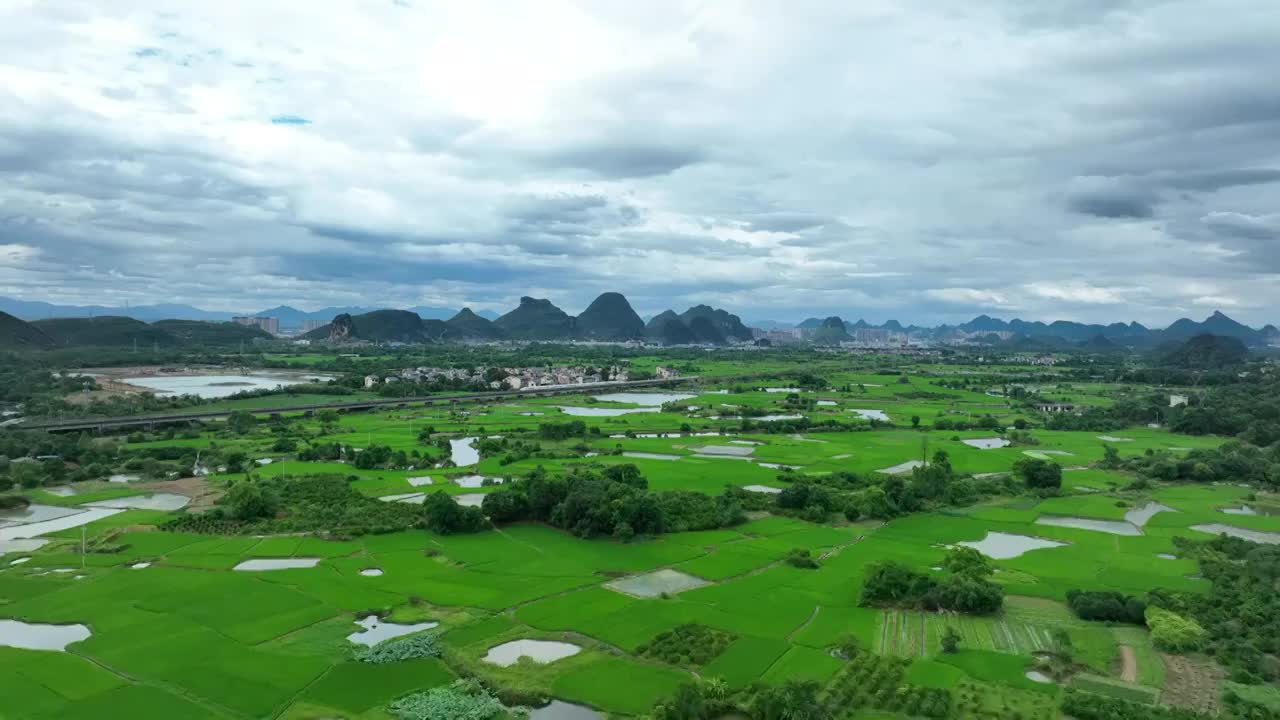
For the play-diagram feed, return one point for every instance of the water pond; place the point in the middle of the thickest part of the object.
(461, 452)
(987, 443)
(783, 390)
(762, 489)
(1005, 546)
(871, 414)
(264, 564)
(469, 499)
(34, 513)
(375, 630)
(1113, 438)
(1141, 516)
(776, 418)
(420, 480)
(371, 572)
(158, 501)
(560, 710)
(656, 583)
(124, 478)
(21, 546)
(778, 466)
(735, 451)
(217, 386)
(827, 403)
(1037, 676)
(35, 636)
(645, 399)
(1115, 527)
(540, 651)
(1258, 536)
(603, 412)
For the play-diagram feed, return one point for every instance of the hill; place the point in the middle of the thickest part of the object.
(106, 331)
(196, 332)
(667, 328)
(16, 334)
(728, 325)
(830, 331)
(467, 324)
(609, 317)
(380, 326)
(1206, 352)
(536, 319)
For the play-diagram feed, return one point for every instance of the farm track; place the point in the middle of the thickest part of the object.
(812, 616)
(1128, 664)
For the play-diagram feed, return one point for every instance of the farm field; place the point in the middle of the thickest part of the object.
(173, 624)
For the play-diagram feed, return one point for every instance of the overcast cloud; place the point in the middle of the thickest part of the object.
(925, 160)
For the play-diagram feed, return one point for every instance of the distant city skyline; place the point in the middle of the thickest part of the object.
(915, 160)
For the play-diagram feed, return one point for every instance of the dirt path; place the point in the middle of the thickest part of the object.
(817, 609)
(1128, 664)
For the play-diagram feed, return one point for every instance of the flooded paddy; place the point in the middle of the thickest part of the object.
(266, 564)
(462, 453)
(560, 710)
(650, 456)
(120, 478)
(420, 480)
(1133, 522)
(371, 572)
(728, 450)
(762, 489)
(987, 443)
(871, 414)
(35, 636)
(34, 514)
(539, 651)
(21, 546)
(656, 583)
(1037, 676)
(411, 498)
(901, 468)
(469, 499)
(375, 630)
(476, 481)
(1113, 438)
(1005, 546)
(1258, 536)
(64, 522)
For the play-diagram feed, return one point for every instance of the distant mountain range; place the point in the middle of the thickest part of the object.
(290, 317)
(610, 317)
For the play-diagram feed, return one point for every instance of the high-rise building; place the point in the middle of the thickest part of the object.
(268, 324)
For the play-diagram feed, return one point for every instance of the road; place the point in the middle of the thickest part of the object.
(105, 423)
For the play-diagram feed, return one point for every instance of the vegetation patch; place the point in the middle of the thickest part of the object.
(400, 649)
(688, 644)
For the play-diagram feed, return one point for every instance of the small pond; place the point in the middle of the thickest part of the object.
(1037, 676)
(21, 546)
(775, 418)
(35, 636)
(560, 710)
(1243, 510)
(263, 564)
(1141, 516)
(871, 414)
(603, 412)
(1115, 527)
(783, 390)
(987, 443)
(461, 452)
(650, 456)
(371, 572)
(1113, 438)
(646, 399)
(1258, 536)
(655, 583)
(140, 566)
(158, 501)
(1166, 556)
(1004, 546)
(827, 403)
(744, 442)
(120, 478)
(540, 651)
(420, 480)
(778, 466)
(33, 514)
(476, 481)
(469, 499)
(762, 489)
(375, 630)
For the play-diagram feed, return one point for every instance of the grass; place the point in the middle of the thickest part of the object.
(1116, 689)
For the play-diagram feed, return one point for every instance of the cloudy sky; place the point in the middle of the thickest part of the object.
(924, 160)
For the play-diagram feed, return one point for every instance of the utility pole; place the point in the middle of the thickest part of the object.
(82, 546)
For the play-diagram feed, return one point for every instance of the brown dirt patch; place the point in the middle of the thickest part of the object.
(1191, 682)
(1128, 664)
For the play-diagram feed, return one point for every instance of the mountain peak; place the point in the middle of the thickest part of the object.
(609, 317)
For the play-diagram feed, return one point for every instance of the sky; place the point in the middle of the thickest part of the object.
(924, 160)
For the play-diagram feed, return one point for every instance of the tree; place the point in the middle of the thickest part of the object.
(950, 641)
(250, 501)
(241, 422)
(915, 422)
(1039, 474)
(795, 700)
(964, 560)
(328, 420)
(505, 505)
(445, 516)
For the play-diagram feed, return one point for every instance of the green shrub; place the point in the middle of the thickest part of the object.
(397, 649)
(1173, 632)
(463, 700)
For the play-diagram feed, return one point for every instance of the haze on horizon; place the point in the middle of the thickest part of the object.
(913, 159)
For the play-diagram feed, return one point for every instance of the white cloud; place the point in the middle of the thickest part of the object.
(1075, 293)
